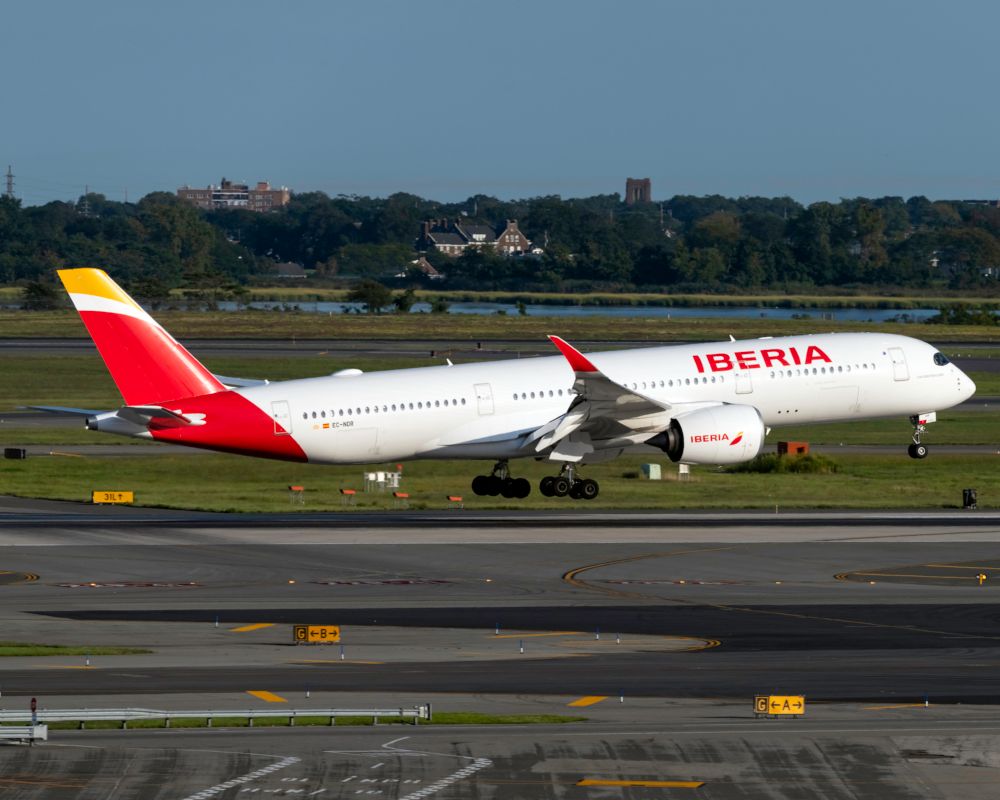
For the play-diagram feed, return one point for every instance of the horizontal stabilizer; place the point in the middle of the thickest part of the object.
(238, 383)
(143, 415)
(81, 412)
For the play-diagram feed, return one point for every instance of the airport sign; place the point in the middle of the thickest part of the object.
(102, 497)
(779, 705)
(316, 634)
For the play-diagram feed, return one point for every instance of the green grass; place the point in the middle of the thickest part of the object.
(232, 483)
(10, 649)
(305, 326)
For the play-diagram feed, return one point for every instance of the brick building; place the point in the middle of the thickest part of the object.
(261, 197)
(452, 237)
(638, 190)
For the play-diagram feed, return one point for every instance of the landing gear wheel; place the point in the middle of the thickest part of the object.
(507, 489)
(576, 490)
(917, 450)
(588, 489)
(521, 488)
(560, 486)
(545, 486)
(480, 485)
(493, 485)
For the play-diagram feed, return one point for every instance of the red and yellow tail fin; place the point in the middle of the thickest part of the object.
(147, 364)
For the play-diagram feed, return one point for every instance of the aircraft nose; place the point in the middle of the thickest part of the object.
(968, 387)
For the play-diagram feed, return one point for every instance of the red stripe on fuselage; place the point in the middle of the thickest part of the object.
(232, 424)
(146, 364)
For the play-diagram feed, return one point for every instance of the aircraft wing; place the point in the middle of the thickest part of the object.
(605, 414)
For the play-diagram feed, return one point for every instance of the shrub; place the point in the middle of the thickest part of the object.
(772, 463)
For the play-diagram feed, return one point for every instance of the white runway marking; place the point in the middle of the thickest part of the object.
(444, 783)
(263, 772)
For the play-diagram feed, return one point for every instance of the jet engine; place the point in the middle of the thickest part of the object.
(725, 434)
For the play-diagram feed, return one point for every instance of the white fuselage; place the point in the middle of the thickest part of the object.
(486, 410)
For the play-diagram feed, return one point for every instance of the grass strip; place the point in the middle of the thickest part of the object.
(299, 326)
(232, 483)
(11, 649)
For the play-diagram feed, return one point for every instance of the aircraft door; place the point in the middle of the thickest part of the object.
(282, 418)
(484, 399)
(900, 372)
(744, 383)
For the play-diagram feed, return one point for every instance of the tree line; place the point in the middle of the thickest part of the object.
(687, 243)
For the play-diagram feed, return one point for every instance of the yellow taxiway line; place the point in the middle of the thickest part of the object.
(589, 700)
(651, 784)
(255, 627)
(267, 697)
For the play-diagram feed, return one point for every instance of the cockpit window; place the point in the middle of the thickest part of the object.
(941, 359)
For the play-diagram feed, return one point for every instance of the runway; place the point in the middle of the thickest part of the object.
(687, 613)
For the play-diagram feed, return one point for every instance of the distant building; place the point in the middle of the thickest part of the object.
(290, 270)
(452, 237)
(237, 195)
(638, 190)
(422, 265)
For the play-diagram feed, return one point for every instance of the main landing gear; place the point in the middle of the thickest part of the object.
(566, 483)
(917, 450)
(500, 482)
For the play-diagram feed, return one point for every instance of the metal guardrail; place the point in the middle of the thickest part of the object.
(126, 715)
(25, 733)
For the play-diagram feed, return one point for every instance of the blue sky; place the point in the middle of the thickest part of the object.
(447, 99)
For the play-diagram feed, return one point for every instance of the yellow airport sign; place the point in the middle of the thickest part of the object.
(316, 634)
(112, 497)
(779, 705)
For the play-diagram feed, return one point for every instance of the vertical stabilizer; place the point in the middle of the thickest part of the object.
(147, 364)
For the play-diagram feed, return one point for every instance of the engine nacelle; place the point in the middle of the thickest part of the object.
(726, 434)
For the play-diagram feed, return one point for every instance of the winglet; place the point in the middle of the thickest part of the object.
(577, 360)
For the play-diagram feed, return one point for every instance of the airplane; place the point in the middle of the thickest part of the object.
(697, 403)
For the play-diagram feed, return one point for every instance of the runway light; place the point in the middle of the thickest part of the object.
(291, 581)
(871, 583)
(489, 580)
(778, 583)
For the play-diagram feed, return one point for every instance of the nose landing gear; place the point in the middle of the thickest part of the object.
(917, 450)
(499, 482)
(566, 483)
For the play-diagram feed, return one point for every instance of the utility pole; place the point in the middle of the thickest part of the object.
(84, 208)
(9, 191)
